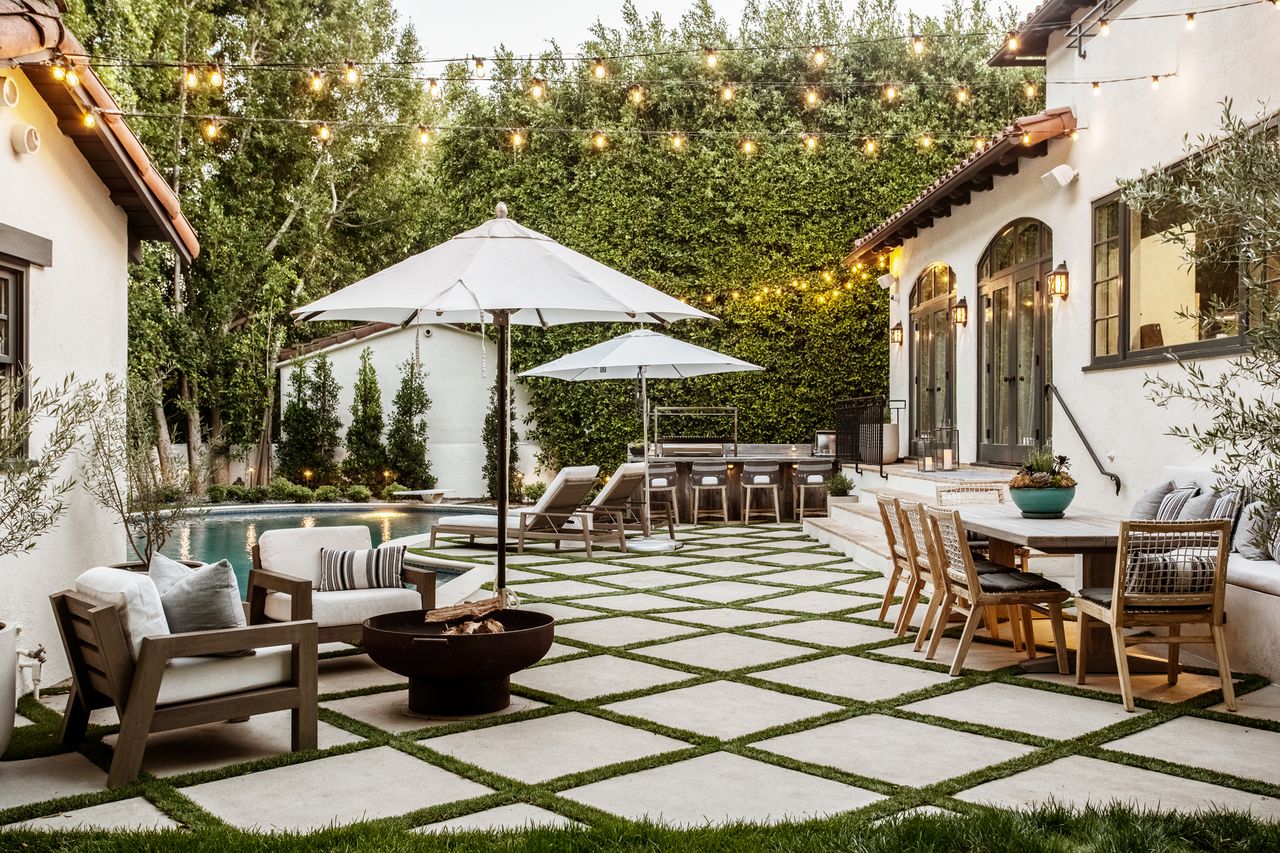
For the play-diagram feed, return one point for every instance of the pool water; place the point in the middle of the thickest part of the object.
(231, 536)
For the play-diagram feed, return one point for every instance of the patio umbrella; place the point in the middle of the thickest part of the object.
(500, 273)
(648, 355)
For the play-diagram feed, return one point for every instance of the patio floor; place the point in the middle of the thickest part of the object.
(744, 678)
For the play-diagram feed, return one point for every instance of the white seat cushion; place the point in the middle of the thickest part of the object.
(1260, 575)
(296, 552)
(186, 679)
(133, 595)
(346, 606)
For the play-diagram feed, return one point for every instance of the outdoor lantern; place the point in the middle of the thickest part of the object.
(960, 313)
(1059, 281)
(924, 451)
(895, 334)
(946, 448)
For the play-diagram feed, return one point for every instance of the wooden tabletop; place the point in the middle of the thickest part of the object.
(1079, 530)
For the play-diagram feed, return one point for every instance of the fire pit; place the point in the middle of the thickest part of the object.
(457, 675)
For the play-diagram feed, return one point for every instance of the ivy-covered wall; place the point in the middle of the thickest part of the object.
(756, 239)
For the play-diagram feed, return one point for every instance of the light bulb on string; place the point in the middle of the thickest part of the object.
(211, 128)
(1097, 88)
(1155, 82)
(889, 92)
(710, 58)
(215, 77)
(726, 93)
(734, 294)
(598, 69)
(869, 146)
(58, 71)
(190, 77)
(636, 95)
(810, 142)
(818, 57)
(478, 65)
(1026, 137)
(1073, 135)
(1011, 42)
(677, 141)
(962, 95)
(917, 45)
(537, 89)
(1104, 27)
(1191, 20)
(89, 120)
(707, 299)
(352, 73)
(317, 80)
(812, 97)
(926, 141)
(599, 141)
(424, 134)
(1029, 89)
(323, 133)
(73, 79)
(747, 146)
(979, 143)
(517, 139)
(433, 87)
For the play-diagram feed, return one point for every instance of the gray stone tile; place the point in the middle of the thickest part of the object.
(133, 813)
(720, 788)
(34, 780)
(723, 652)
(899, 751)
(981, 656)
(727, 530)
(578, 568)
(722, 709)
(19, 721)
(57, 702)
(873, 587)
(779, 533)
(797, 558)
(1025, 709)
(559, 612)
(1076, 781)
(728, 552)
(853, 677)
(1261, 704)
(1225, 747)
(531, 559)
(600, 675)
(730, 540)
(549, 747)
(725, 617)
(828, 632)
(354, 672)
(793, 544)
(559, 589)
(514, 816)
(803, 577)
(1155, 688)
(216, 745)
(728, 569)
(652, 560)
(389, 711)
(646, 579)
(621, 631)
(559, 650)
(389, 783)
(515, 575)
(814, 601)
(723, 592)
(632, 602)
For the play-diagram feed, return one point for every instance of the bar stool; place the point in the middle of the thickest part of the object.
(662, 481)
(757, 476)
(712, 477)
(809, 475)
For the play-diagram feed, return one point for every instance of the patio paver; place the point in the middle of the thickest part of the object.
(582, 568)
(814, 601)
(720, 788)
(803, 577)
(728, 551)
(727, 569)
(559, 612)
(853, 677)
(828, 632)
(390, 783)
(1077, 781)
(894, 750)
(1025, 709)
(981, 656)
(652, 560)
(353, 672)
(1155, 688)
(725, 617)
(797, 558)
(386, 711)
(1235, 749)
(645, 579)
(723, 592)
(133, 813)
(723, 709)
(1261, 704)
(621, 631)
(549, 747)
(599, 675)
(514, 816)
(630, 602)
(723, 651)
(560, 589)
(35, 780)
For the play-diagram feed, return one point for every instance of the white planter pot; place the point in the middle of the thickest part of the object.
(888, 453)
(8, 682)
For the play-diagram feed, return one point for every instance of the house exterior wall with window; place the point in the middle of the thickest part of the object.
(1101, 355)
(75, 317)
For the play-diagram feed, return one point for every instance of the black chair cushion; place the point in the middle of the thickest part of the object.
(1102, 596)
(1009, 581)
(986, 567)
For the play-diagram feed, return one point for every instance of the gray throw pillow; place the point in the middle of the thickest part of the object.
(1147, 505)
(1249, 533)
(1199, 507)
(203, 599)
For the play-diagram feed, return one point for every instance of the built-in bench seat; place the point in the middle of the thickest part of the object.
(1258, 575)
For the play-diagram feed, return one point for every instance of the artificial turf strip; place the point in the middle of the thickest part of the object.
(41, 739)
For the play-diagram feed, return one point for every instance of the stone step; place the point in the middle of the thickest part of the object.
(866, 550)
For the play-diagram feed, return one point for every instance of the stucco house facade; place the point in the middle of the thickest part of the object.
(77, 197)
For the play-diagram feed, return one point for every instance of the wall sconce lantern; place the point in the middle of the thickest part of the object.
(960, 313)
(895, 334)
(1059, 281)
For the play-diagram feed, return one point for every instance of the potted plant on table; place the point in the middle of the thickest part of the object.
(1042, 488)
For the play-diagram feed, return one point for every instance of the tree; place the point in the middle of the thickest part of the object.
(297, 433)
(407, 434)
(310, 425)
(489, 438)
(328, 425)
(366, 454)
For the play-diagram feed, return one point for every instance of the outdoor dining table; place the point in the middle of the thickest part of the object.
(1093, 536)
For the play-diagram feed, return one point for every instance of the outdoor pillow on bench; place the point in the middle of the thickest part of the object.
(202, 599)
(367, 568)
(1149, 504)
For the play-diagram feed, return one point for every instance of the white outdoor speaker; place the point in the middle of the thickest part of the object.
(8, 92)
(887, 281)
(1058, 177)
(24, 138)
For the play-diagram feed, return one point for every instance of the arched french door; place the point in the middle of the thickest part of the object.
(1014, 355)
(932, 352)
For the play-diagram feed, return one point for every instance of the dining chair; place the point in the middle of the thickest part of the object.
(662, 483)
(921, 563)
(1168, 574)
(899, 562)
(710, 477)
(761, 477)
(808, 476)
(984, 494)
(970, 590)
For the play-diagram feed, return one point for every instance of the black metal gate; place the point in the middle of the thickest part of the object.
(860, 432)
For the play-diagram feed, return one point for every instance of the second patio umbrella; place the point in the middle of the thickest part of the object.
(643, 354)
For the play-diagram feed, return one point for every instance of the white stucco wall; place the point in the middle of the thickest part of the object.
(1125, 129)
(459, 393)
(77, 316)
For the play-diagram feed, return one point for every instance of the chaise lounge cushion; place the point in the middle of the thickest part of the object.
(1259, 575)
(135, 598)
(296, 552)
(186, 679)
(345, 607)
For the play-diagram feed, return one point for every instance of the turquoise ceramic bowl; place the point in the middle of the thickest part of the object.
(1043, 503)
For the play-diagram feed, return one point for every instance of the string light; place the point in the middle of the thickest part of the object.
(812, 97)
(962, 95)
(817, 57)
(1073, 135)
(810, 141)
(1097, 88)
(352, 74)
(215, 77)
(323, 133)
(599, 141)
(211, 128)
(190, 78)
(726, 93)
(1029, 89)
(707, 299)
(1026, 137)
(89, 120)
(424, 134)
(926, 141)
(917, 45)
(869, 146)
(317, 80)
(59, 71)
(748, 146)
(979, 143)
(890, 92)
(1104, 27)
(433, 87)
(677, 141)
(1155, 81)
(73, 79)
(517, 139)
(537, 89)
(598, 68)
(1191, 20)
(1011, 41)
(478, 64)
(636, 95)
(709, 57)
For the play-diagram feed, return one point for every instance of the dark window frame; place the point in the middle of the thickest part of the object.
(917, 310)
(13, 278)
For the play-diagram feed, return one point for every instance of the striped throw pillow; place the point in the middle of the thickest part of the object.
(1226, 506)
(369, 568)
(1172, 503)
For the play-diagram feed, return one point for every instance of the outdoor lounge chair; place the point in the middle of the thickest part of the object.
(284, 584)
(620, 501)
(1168, 574)
(558, 515)
(121, 654)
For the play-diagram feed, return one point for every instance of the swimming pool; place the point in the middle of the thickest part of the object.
(232, 534)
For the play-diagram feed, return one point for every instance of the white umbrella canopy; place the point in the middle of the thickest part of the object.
(500, 273)
(623, 357)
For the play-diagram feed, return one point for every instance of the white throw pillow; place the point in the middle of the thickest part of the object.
(134, 597)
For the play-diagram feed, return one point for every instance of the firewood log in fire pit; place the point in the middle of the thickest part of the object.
(468, 618)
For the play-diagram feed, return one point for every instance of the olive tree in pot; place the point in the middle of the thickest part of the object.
(39, 431)
(149, 500)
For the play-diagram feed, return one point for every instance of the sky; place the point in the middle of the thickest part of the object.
(459, 28)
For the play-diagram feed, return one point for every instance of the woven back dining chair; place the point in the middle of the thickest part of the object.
(710, 477)
(922, 561)
(763, 477)
(900, 569)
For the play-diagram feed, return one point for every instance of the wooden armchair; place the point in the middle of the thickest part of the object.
(284, 584)
(1168, 574)
(159, 681)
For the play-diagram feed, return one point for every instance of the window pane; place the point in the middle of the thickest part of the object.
(1028, 243)
(1169, 295)
(1003, 254)
(1106, 278)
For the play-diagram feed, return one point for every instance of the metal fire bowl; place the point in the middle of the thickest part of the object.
(457, 676)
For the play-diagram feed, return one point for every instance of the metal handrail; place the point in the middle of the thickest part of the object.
(1051, 388)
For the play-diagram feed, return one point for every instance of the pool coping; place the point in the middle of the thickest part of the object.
(283, 508)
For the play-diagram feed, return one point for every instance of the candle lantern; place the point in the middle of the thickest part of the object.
(924, 451)
(946, 448)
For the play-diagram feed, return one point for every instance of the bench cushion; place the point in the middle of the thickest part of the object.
(1010, 582)
(296, 552)
(1260, 575)
(1102, 596)
(135, 598)
(346, 607)
(187, 679)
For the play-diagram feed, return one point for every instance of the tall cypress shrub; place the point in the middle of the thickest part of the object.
(489, 438)
(326, 424)
(366, 454)
(407, 434)
(297, 438)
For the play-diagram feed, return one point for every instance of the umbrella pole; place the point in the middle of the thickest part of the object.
(502, 319)
(644, 451)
